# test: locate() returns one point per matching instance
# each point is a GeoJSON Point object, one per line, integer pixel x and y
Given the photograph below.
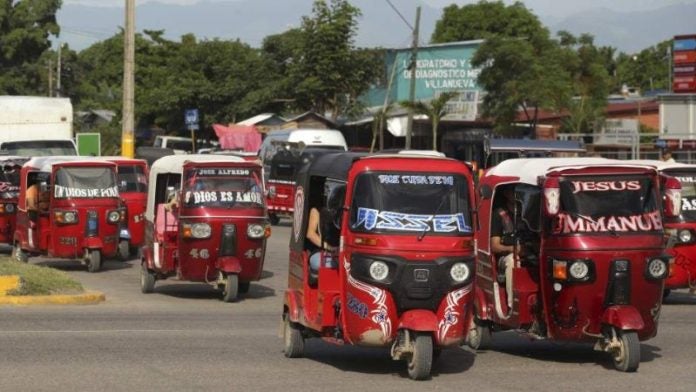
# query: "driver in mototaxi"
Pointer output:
{"type": "Point", "coordinates": [323, 228]}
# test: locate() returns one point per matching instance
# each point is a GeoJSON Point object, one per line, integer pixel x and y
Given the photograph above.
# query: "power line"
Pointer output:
{"type": "Point", "coordinates": [399, 13]}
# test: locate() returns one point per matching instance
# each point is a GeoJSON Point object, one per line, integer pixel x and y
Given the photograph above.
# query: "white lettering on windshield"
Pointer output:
{"type": "Point", "coordinates": [566, 223]}
{"type": "Point", "coordinates": [372, 219]}
{"type": "Point", "coordinates": [64, 192]}
{"type": "Point", "coordinates": [202, 197]}
{"type": "Point", "coordinates": [415, 179]}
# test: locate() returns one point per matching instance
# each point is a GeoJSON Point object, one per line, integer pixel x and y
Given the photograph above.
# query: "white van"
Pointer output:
{"type": "Point", "coordinates": [180, 145]}
{"type": "Point", "coordinates": [324, 138]}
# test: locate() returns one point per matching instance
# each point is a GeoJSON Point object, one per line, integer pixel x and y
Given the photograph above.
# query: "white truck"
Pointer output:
{"type": "Point", "coordinates": [36, 126]}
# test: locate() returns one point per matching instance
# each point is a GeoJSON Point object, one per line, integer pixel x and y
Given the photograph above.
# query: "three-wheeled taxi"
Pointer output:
{"type": "Point", "coordinates": [589, 252]}
{"type": "Point", "coordinates": [205, 222]}
{"type": "Point", "coordinates": [132, 187]}
{"type": "Point", "coordinates": [281, 172]}
{"type": "Point", "coordinates": [68, 207]}
{"type": "Point", "coordinates": [682, 228]}
{"type": "Point", "coordinates": [10, 167]}
{"type": "Point", "coordinates": [401, 275]}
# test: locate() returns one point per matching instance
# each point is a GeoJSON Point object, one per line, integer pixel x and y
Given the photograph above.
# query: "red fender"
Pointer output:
{"type": "Point", "coordinates": [229, 264]}
{"type": "Point", "coordinates": [291, 303]}
{"type": "Point", "coordinates": [623, 317]}
{"type": "Point", "coordinates": [418, 320]}
{"type": "Point", "coordinates": [92, 243]}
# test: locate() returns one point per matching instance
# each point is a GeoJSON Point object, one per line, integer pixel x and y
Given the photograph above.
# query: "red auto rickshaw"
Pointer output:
{"type": "Point", "coordinates": [10, 167]}
{"type": "Point", "coordinates": [205, 222]}
{"type": "Point", "coordinates": [402, 275]}
{"type": "Point", "coordinates": [78, 213]}
{"type": "Point", "coordinates": [682, 228]}
{"type": "Point", "coordinates": [589, 259]}
{"type": "Point", "coordinates": [132, 187]}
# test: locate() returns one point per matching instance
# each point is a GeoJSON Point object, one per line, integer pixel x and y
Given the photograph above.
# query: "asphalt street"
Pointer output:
{"type": "Point", "coordinates": [183, 338]}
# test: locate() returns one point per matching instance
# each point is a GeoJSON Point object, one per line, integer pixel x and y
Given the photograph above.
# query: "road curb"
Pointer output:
{"type": "Point", "coordinates": [88, 298]}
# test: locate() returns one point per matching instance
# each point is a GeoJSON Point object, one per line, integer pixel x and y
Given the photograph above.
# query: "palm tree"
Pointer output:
{"type": "Point", "coordinates": [378, 124]}
{"type": "Point", "coordinates": [434, 110]}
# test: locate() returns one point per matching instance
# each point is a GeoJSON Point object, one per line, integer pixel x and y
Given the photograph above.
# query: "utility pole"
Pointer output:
{"type": "Point", "coordinates": [412, 86]}
{"type": "Point", "coordinates": [50, 78]}
{"type": "Point", "coordinates": [128, 122]}
{"type": "Point", "coordinates": [58, 70]}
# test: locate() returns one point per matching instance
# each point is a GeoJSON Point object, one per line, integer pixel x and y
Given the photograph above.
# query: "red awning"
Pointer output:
{"type": "Point", "coordinates": [236, 137]}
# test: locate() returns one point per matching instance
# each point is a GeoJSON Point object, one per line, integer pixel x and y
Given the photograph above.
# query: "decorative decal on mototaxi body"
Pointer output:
{"type": "Point", "coordinates": [452, 311]}
{"type": "Point", "coordinates": [576, 223]}
{"type": "Point", "coordinates": [379, 296]}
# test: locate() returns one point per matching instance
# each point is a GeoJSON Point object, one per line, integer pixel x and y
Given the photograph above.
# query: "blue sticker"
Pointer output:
{"type": "Point", "coordinates": [357, 307]}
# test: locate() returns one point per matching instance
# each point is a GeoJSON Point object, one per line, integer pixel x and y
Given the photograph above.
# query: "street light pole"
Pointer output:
{"type": "Point", "coordinates": [412, 86]}
{"type": "Point", "coordinates": [128, 122]}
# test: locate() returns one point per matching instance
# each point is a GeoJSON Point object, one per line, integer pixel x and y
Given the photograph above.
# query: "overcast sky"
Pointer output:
{"type": "Point", "coordinates": [558, 8]}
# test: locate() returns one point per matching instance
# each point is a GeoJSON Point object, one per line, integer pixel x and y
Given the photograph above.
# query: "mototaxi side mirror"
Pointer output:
{"type": "Point", "coordinates": [43, 186]}
{"type": "Point", "coordinates": [552, 196]}
{"type": "Point", "coordinates": [671, 196]}
{"type": "Point", "coordinates": [171, 193]}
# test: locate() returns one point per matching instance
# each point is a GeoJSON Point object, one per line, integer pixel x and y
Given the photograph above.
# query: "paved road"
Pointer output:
{"type": "Point", "coordinates": [182, 338]}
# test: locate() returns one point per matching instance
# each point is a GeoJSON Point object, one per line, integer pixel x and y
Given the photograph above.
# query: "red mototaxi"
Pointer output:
{"type": "Point", "coordinates": [132, 187]}
{"type": "Point", "coordinates": [682, 228]}
{"type": "Point", "coordinates": [394, 285]}
{"type": "Point", "coordinates": [601, 259]}
{"type": "Point", "coordinates": [83, 215]}
{"type": "Point", "coordinates": [10, 167]}
{"type": "Point", "coordinates": [218, 232]}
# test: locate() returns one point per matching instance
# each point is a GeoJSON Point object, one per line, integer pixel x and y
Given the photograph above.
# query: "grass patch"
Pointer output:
{"type": "Point", "coordinates": [37, 280]}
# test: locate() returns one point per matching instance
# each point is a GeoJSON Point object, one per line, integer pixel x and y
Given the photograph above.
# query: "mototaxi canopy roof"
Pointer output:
{"type": "Point", "coordinates": [45, 164]}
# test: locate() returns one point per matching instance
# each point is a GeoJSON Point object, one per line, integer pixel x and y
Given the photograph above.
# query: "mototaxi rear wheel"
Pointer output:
{"type": "Point", "coordinates": [479, 336]}
{"type": "Point", "coordinates": [147, 280]}
{"type": "Point", "coordinates": [420, 361]}
{"type": "Point", "coordinates": [293, 341]}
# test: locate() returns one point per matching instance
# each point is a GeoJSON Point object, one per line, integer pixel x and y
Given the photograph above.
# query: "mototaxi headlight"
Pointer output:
{"type": "Point", "coordinates": [69, 217]}
{"type": "Point", "coordinates": [657, 268]}
{"type": "Point", "coordinates": [460, 272]}
{"type": "Point", "coordinates": [379, 270]}
{"type": "Point", "coordinates": [200, 230]}
{"type": "Point", "coordinates": [578, 270]}
{"type": "Point", "coordinates": [256, 231]}
{"type": "Point", "coordinates": [685, 235]}
{"type": "Point", "coordinates": [113, 216]}
{"type": "Point", "coordinates": [9, 208]}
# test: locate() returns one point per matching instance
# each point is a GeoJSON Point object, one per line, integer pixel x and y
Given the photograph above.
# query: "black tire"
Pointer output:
{"type": "Point", "coordinates": [627, 358]}
{"type": "Point", "coordinates": [147, 280]}
{"type": "Point", "coordinates": [666, 293]}
{"type": "Point", "coordinates": [123, 250]}
{"type": "Point", "coordinates": [421, 361]}
{"type": "Point", "coordinates": [244, 287]}
{"type": "Point", "coordinates": [293, 341]}
{"type": "Point", "coordinates": [231, 289]}
{"type": "Point", "coordinates": [18, 254]}
{"type": "Point", "coordinates": [94, 261]}
{"type": "Point", "coordinates": [273, 218]}
{"type": "Point", "coordinates": [480, 336]}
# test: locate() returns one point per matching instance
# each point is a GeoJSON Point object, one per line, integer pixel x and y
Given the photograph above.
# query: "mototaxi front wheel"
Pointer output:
{"type": "Point", "coordinates": [123, 250]}
{"type": "Point", "coordinates": [94, 261]}
{"type": "Point", "coordinates": [231, 289]}
{"type": "Point", "coordinates": [420, 361]}
{"type": "Point", "coordinates": [627, 355]}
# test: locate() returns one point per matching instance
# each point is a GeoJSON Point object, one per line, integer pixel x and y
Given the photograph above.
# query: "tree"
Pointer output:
{"type": "Point", "coordinates": [328, 71]}
{"type": "Point", "coordinates": [649, 69]}
{"type": "Point", "coordinates": [379, 123]}
{"type": "Point", "coordinates": [521, 65]}
{"type": "Point", "coordinates": [434, 110]}
{"type": "Point", "coordinates": [25, 27]}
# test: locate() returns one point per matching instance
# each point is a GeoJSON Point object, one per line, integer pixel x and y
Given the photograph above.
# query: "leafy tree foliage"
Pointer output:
{"type": "Point", "coordinates": [649, 69]}
{"type": "Point", "coordinates": [434, 110]}
{"type": "Point", "coordinates": [25, 27]}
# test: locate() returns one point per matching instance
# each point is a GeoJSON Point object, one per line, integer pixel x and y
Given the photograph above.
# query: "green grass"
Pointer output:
{"type": "Point", "coordinates": [37, 280]}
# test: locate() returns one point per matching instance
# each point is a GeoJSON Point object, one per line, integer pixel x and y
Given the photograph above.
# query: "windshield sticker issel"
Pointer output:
{"type": "Point", "coordinates": [63, 191]}
{"type": "Point", "coordinates": [566, 223]}
{"type": "Point", "coordinates": [372, 219]}
{"type": "Point", "coordinates": [415, 179]}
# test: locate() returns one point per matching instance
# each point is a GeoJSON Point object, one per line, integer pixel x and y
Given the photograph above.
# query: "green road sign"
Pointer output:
{"type": "Point", "coordinates": [88, 144]}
